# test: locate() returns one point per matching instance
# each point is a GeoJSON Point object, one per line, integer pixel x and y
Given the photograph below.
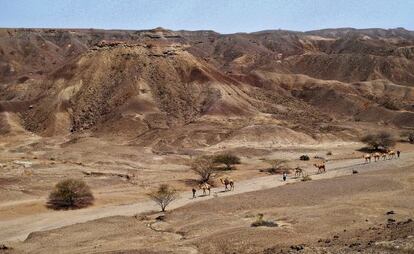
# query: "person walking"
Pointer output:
{"type": "Point", "coordinates": [194, 192]}
{"type": "Point", "coordinates": [284, 176]}
{"type": "Point", "coordinates": [398, 154]}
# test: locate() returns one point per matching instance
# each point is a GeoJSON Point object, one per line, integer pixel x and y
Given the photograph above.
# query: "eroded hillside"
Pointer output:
{"type": "Point", "coordinates": [180, 89]}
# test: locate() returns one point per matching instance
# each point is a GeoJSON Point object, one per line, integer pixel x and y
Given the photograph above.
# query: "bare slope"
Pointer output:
{"type": "Point", "coordinates": [159, 84]}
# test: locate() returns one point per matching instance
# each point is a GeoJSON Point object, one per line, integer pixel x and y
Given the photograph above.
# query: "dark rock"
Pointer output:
{"type": "Point", "coordinates": [297, 247]}
{"type": "Point", "coordinates": [160, 218]}
{"type": "Point", "coordinates": [391, 220]}
{"type": "Point", "coordinates": [352, 245]}
{"type": "Point", "coordinates": [4, 247]}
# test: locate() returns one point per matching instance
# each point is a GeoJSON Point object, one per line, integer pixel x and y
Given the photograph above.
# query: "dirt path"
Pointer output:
{"type": "Point", "coordinates": [19, 229]}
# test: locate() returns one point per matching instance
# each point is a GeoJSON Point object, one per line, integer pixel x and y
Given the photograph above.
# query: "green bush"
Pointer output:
{"type": "Point", "coordinates": [411, 137]}
{"type": "Point", "coordinates": [228, 159]}
{"type": "Point", "coordinates": [70, 194]}
{"type": "Point", "coordinates": [382, 140]}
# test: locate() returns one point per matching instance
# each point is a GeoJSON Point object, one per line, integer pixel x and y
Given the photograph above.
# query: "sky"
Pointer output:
{"type": "Point", "coordinates": [219, 15]}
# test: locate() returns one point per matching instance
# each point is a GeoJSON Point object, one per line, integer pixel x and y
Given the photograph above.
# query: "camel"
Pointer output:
{"type": "Point", "coordinates": [377, 157]}
{"type": "Point", "coordinates": [391, 154]}
{"type": "Point", "coordinates": [226, 181]}
{"type": "Point", "coordinates": [298, 171]}
{"type": "Point", "coordinates": [321, 167]}
{"type": "Point", "coordinates": [205, 187]}
{"type": "Point", "coordinates": [367, 157]}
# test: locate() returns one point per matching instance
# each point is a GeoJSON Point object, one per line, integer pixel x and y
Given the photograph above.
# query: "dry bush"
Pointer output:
{"type": "Point", "coordinates": [70, 194]}
{"type": "Point", "coordinates": [381, 140]}
{"type": "Point", "coordinates": [260, 222]}
{"type": "Point", "coordinates": [163, 196]}
{"type": "Point", "coordinates": [204, 167]}
{"type": "Point", "coordinates": [408, 136]}
{"type": "Point", "coordinates": [306, 178]}
{"type": "Point", "coordinates": [276, 167]}
{"type": "Point", "coordinates": [304, 157]}
{"type": "Point", "coordinates": [411, 137]}
{"type": "Point", "coordinates": [227, 159]}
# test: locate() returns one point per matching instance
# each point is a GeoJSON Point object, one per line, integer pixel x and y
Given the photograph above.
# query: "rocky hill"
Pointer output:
{"type": "Point", "coordinates": [195, 88]}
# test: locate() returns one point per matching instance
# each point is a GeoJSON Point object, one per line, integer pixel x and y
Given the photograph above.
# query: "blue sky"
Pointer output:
{"type": "Point", "coordinates": [219, 15]}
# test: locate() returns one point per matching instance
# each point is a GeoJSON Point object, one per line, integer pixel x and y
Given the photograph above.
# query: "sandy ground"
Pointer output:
{"type": "Point", "coordinates": [336, 212]}
{"type": "Point", "coordinates": [30, 167]}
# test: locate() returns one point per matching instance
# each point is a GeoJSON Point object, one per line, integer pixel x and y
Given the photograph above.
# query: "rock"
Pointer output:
{"type": "Point", "coordinates": [352, 245]}
{"type": "Point", "coordinates": [297, 247]}
{"type": "Point", "coordinates": [407, 221]}
{"type": "Point", "coordinates": [4, 247]}
{"type": "Point", "coordinates": [25, 164]}
{"type": "Point", "coordinates": [160, 218]}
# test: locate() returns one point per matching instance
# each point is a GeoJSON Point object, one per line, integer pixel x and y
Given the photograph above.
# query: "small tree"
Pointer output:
{"type": "Point", "coordinates": [163, 196]}
{"type": "Point", "coordinates": [204, 167]}
{"type": "Point", "coordinates": [408, 136]}
{"type": "Point", "coordinates": [228, 159]}
{"type": "Point", "coordinates": [411, 137]}
{"type": "Point", "coordinates": [379, 140]}
{"type": "Point", "coordinates": [277, 166]}
{"type": "Point", "coordinates": [70, 194]}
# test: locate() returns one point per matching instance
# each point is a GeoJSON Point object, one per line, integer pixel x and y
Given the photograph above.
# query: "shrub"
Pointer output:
{"type": "Point", "coordinates": [304, 157]}
{"type": "Point", "coordinates": [329, 153]}
{"type": "Point", "coordinates": [306, 178]}
{"type": "Point", "coordinates": [228, 159]}
{"type": "Point", "coordinates": [163, 196]}
{"type": "Point", "coordinates": [260, 222]}
{"type": "Point", "coordinates": [408, 136]}
{"type": "Point", "coordinates": [70, 194]}
{"type": "Point", "coordinates": [380, 140]}
{"type": "Point", "coordinates": [277, 167]}
{"type": "Point", "coordinates": [411, 137]}
{"type": "Point", "coordinates": [204, 167]}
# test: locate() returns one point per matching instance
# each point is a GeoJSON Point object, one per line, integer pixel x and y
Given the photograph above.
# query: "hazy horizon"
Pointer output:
{"type": "Point", "coordinates": [220, 16]}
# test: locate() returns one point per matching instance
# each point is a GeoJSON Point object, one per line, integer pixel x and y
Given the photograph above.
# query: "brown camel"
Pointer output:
{"type": "Point", "coordinates": [226, 181]}
{"type": "Point", "coordinates": [367, 157]}
{"type": "Point", "coordinates": [321, 167]}
{"type": "Point", "coordinates": [377, 157]}
{"type": "Point", "coordinates": [391, 154]}
{"type": "Point", "coordinates": [298, 171]}
{"type": "Point", "coordinates": [205, 187]}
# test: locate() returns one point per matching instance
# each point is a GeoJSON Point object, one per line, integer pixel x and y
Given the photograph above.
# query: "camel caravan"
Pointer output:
{"type": "Point", "coordinates": [391, 154]}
